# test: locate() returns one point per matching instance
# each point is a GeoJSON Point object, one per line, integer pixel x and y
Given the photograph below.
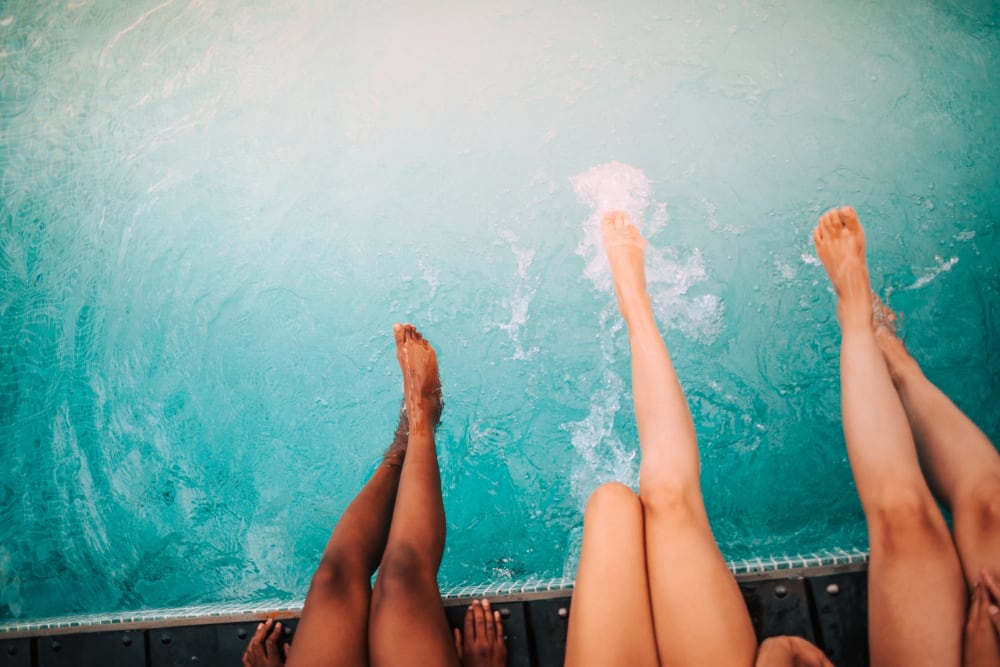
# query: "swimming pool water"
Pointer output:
{"type": "Point", "coordinates": [212, 211]}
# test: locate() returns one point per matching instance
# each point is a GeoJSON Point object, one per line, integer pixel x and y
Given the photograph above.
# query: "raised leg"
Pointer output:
{"type": "Point", "coordinates": [916, 594]}
{"type": "Point", "coordinates": [408, 625]}
{"type": "Point", "coordinates": [334, 625]}
{"type": "Point", "coordinates": [960, 463]}
{"type": "Point", "coordinates": [612, 621]}
{"type": "Point", "coordinates": [699, 615]}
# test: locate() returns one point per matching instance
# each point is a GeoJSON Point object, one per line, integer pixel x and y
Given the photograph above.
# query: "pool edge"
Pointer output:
{"type": "Point", "coordinates": [800, 565]}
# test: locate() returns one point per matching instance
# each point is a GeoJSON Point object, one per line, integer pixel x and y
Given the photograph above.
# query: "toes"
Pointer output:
{"type": "Point", "coordinates": [480, 619]}
{"type": "Point", "coordinates": [470, 620]}
{"type": "Point", "coordinates": [489, 621]}
{"type": "Point", "coordinates": [498, 624]}
{"type": "Point", "coordinates": [614, 219]}
{"type": "Point", "coordinates": [607, 225]}
{"type": "Point", "coordinates": [615, 223]}
{"type": "Point", "coordinates": [271, 645]}
{"type": "Point", "coordinates": [849, 218]}
{"type": "Point", "coordinates": [818, 234]}
{"type": "Point", "coordinates": [399, 333]}
{"type": "Point", "coordinates": [618, 230]}
{"type": "Point", "coordinates": [828, 223]}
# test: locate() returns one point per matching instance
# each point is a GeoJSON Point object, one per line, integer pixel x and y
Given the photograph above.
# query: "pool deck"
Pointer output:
{"type": "Point", "coordinates": [827, 605]}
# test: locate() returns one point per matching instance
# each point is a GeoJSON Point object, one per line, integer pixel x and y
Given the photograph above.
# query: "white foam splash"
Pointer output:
{"type": "Point", "coordinates": [518, 302]}
{"type": "Point", "coordinates": [601, 455]}
{"type": "Point", "coordinates": [668, 277]}
{"type": "Point", "coordinates": [430, 276]}
{"type": "Point", "coordinates": [785, 270]}
{"type": "Point", "coordinates": [934, 272]}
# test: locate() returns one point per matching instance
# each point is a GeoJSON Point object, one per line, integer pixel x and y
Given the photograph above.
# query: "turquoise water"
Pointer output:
{"type": "Point", "coordinates": [212, 211]}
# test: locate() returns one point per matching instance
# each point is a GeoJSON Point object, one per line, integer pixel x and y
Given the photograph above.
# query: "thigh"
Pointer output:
{"type": "Point", "coordinates": [916, 591]}
{"type": "Point", "coordinates": [976, 526]}
{"type": "Point", "coordinates": [611, 622]}
{"type": "Point", "coordinates": [700, 615]}
{"type": "Point", "coordinates": [333, 631]}
{"type": "Point", "coordinates": [408, 625]}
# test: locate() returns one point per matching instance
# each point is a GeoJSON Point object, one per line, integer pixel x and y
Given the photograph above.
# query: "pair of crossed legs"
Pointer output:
{"type": "Point", "coordinates": [906, 439]}
{"type": "Point", "coordinates": [395, 525]}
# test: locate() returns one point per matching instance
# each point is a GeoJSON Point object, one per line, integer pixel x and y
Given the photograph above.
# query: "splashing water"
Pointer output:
{"type": "Point", "coordinates": [669, 273]}
{"type": "Point", "coordinates": [602, 456]}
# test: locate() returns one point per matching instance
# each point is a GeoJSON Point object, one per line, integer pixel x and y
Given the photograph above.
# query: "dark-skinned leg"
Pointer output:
{"type": "Point", "coordinates": [408, 625]}
{"type": "Point", "coordinates": [334, 625]}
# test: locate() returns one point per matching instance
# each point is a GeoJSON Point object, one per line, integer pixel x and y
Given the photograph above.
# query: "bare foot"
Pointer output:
{"type": "Point", "coordinates": [840, 244]}
{"type": "Point", "coordinates": [626, 252]}
{"type": "Point", "coordinates": [421, 385]}
{"type": "Point", "coordinates": [897, 357]}
{"type": "Point", "coordinates": [481, 644]}
{"type": "Point", "coordinates": [263, 651]}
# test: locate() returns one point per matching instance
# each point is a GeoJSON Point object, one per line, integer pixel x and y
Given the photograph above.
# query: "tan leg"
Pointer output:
{"type": "Point", "coordinates": [959, 461]}
{"type": "Point", "coordinates": [611, 622]}
{"type": "Point", "coordinates": [334, 625]}
{"type": "Point", "coordinates": [408, 625]}
{"type": "Point", "coordinates": [699, 615]}
{"type": "Point", "coordinates": [916, 594]}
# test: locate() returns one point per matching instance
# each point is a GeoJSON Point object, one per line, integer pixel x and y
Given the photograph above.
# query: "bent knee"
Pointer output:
{"type": "Point", "coordinates": [676, 501]}
{"type": "Point", "coordinates": [611, 499]}
{"type": "Point", "coordinates": [341, 575]}
{"type": "Point", "coordinates": [404, 570]}
{"type": "Point", "coordinates": [979, 505]}
{"type": "Point", "coordinates": [904, 519]}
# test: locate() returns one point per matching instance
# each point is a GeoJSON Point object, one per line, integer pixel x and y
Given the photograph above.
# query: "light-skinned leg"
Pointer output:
{"type": "Point", "coordinates": [916, 593]}
{"type": "Point", "coordinates": [611, 620]}
{"type": "Point", "coordinates": [958, 460]}
{"type": "Point", "coordinates": [698, 612]}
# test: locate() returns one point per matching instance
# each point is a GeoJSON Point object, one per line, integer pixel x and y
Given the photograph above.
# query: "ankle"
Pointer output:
{"type": "Point", "coordinates": [854, 316]}
{"type": "Point", "coordinates": [903, 371]}
{"type": "Point", "coordinates": [637, 311]}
